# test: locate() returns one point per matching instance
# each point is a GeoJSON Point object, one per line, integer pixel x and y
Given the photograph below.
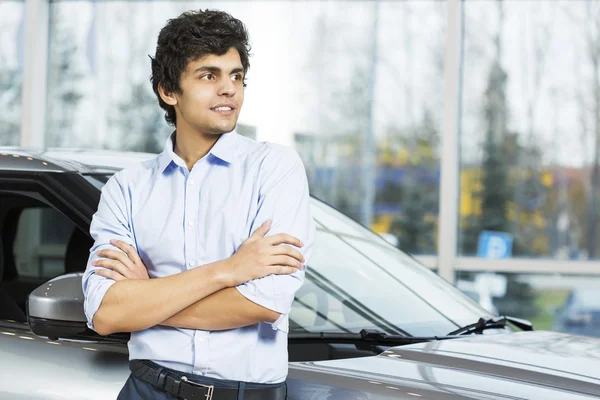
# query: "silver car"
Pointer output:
{"type": "Point", "coordinates": [369, 323]}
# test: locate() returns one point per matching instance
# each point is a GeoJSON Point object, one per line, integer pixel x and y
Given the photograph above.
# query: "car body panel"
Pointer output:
{"type": "Point", "coordinates": [479, 366]}
{"type": "Point", "coordinates": [474, 367]}
{"type": "Point", "coordinates": [36, 368]}
{"type": "Point", "coordinates": [64, 160]}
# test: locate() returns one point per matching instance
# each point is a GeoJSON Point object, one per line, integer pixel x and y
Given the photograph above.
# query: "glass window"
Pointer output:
{"type": "Point", "coordinates": [353, 284]}
{"type": "Point", "coordinates": [558, 302]}
{"type": "Point", "coordinates": [11, 70]}
{"type": "Point", "coordinates": [41, 242]}
{"type": "Point", "coordinates": [359, 95]}
{"type": "Point", "coordinates": [530, 158]}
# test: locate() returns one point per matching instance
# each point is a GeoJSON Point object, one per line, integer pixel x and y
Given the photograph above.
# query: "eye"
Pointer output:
{"type": "Point", "coordinates": [208, 77]}
{"type": "Point", "coordinates": [236, 77]}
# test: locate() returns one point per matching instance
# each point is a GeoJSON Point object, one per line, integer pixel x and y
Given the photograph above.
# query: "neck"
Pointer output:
{"type": "Point", "coordinates": [191, 145]}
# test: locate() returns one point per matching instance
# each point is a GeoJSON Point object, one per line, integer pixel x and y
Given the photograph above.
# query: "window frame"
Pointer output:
{"type": "Point", "coordinates": [65, 192]}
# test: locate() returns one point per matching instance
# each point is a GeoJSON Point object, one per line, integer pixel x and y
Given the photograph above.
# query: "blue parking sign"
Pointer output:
{"type": "Point", "coordinates": [495, 245]}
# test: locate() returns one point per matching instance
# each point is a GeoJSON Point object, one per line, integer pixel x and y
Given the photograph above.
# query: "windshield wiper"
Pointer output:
{"type": "Point", "coordinates": [492, 323]}
{"type": "Point", "coordinates": [367, 339]}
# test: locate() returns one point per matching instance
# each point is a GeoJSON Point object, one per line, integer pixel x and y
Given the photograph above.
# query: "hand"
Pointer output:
{"type": "Point", "coordinates": [125, 264]}
{"type": "Point", "coordinates": [260, 256]}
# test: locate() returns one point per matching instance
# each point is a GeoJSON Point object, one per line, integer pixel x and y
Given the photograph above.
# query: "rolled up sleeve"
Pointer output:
{"type": "Point", "coordinates": [283, 198]}
{"type": "Point", "coordinates": [109, 222]}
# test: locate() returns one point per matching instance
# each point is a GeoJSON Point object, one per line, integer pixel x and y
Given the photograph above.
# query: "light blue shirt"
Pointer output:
{"type": "Point", "coordinates": [179, 219]}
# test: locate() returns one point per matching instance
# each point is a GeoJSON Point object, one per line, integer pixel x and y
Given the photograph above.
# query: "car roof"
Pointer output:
{"type": "Point", "coordinates": [69, 160]}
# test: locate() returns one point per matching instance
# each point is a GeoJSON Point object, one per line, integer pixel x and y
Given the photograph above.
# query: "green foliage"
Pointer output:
{"type": "Point", "coordinates": [500, 153]}
{"type": "Point", "coordinates": [141, 120]}
{"type": "Point", "coordinates": [417, 198]}
{"type": "Point", "coordinates": [64, 78]}
{"type": "Point", "coordinates": [10, 103]}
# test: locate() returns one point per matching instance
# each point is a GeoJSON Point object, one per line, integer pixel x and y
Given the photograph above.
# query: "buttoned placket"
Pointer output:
{"type": "Point", "coordinates": [194, 251]}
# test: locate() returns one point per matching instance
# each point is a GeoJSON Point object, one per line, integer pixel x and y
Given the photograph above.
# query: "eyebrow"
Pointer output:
{"type": "Point", "coordinates": [217, 70]}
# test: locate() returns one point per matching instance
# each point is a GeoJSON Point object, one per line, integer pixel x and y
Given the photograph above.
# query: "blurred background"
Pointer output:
{"type": "Point", "coordinates": [467, 133]}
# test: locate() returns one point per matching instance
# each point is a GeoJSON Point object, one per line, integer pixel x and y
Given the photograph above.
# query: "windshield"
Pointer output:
{"type": "Point", "coordinates": [356, 280]}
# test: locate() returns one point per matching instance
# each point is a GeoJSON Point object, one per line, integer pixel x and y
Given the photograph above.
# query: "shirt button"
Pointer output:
{"type": "Point", "coordinates": [191, 263]}
{"type": "Point", "coordinates": [191, 223]}
{"type": "Point", "coordinates": [191, 182]}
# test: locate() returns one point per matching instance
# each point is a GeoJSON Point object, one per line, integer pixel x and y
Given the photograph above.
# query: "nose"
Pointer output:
{"type": "Point", "coordinates": [227, 87]}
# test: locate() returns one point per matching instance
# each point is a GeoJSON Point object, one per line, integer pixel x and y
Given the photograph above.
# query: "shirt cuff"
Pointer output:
{"type": "Point", "coordinates": [281, 323]}
{"type": "Point", "coordinates": [94, 299]}
{"type": "Point", "coordinates": [249, 291]}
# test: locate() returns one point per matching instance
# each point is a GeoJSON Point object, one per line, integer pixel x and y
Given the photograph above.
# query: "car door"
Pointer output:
{"type": "Point", "coordinates": [44, 234]}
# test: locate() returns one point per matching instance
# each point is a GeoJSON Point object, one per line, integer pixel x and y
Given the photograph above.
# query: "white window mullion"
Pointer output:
{"type": "Point", "coordinates": [449, 174]}
{"type": "Point", "coordinates": [33, 103]}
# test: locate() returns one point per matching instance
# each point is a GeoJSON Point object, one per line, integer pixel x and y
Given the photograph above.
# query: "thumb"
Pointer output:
{"type": "Point", "coordinates": [261, 231]}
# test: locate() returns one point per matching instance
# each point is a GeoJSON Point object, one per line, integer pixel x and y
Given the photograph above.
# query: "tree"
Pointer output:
{"type": "Point", "coordinates": [589, 23]}
{"type": "Point", "coordinates": [10, 104]}
{"type": "Point", "coordinates": [501, 151]}
{"type": "Point", "coordinates": [333, 153]}
{"type": "Point", "coordinates": [418, 196]}
{"type": "Point", "coordinates": [141, 120]}
{"type": "Point", "coordinates": [10, 74]}
{"type": "Point", "coordinates": [495, 195]}
{"type": "Point", "coordinates": [64, 77]}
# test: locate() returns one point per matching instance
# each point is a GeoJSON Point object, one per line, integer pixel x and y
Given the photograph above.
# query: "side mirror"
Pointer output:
{"type": "Point", "coordinates": [55, 310]}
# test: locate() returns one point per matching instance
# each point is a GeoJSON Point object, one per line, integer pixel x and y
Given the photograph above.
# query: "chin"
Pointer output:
{"type": "Point", "coordinates": [223, 128]}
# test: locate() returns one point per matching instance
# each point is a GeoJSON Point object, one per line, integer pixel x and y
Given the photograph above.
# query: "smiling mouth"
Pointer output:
{"type": "Point", "coordinates": [222, 109]}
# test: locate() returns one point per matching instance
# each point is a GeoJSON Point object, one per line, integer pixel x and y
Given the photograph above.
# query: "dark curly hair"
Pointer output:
{"type": "Point", "coordinates": [193, 35]}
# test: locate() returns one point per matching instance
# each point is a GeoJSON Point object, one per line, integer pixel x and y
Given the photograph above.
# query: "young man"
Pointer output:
{"type": "Point", "coordinates": [199, 252]}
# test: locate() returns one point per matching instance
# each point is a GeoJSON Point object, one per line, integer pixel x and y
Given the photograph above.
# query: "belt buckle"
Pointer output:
{"type": "Point", "coordinates": [210, 388]}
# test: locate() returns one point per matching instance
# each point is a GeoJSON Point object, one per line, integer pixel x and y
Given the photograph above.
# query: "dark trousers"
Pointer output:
{"type": "Point", "coordinates": [136, 389]}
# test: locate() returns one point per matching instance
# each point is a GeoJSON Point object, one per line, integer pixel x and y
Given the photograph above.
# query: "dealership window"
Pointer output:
{"type": "Point", "coordinates": [11, 70]}
{"type": "Point", "coordinates": [530, 133]}
{"type": "Point", "coordinates": [358, 94]}
{"type": "Point", "coordinates": [558, 302]}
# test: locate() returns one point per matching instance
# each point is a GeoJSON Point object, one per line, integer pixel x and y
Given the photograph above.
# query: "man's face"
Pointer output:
{"type": "Point", "coordinates": [212, 94]}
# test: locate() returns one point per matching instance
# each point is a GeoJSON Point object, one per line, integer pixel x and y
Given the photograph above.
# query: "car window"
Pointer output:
{"type": "Point", "coordinates": [347, 291]}
{"type": "Point", "coordinates": [41, 242]}
{"type": "Point", "coordinates": [472, 295]}
{"type": "Point", "coordinates": [433, 289]}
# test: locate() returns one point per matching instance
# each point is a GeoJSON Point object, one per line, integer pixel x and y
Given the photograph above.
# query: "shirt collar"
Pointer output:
{"type": "Point", "coordinates": [224, 149]}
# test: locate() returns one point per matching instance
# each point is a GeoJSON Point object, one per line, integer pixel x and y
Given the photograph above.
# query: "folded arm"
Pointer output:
{"type": "Point", "coordinates": [284, 198]}
{"type": "Point", "coordinates": [225, 309]}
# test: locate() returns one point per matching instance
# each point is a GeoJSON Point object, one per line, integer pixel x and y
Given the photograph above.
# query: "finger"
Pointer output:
{"type": "Point", "coordinates": [285, 261]}
{"type": "Point", "coordinates": [261, 231]}
{"type": "Point", "coordinates": [113, 265]}
{"type": "Point", "coordinates": [116, 255]}
{"type": "Point", "coordinates": [283, 270]}
{"type": "Point", "coordinates": [282, 238]}
{"type": "Point", "coordinates": [128, 249]}
{"type": "Point", "coordinates": [288, 251]}
{"type": "Point", "coordinates": [107, 273]}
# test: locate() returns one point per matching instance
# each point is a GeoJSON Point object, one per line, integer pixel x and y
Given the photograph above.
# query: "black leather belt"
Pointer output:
{"type": "Point", "coordinates": [180, 385]}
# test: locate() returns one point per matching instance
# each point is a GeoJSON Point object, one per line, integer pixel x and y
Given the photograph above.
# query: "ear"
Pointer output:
{"type": "Point", "coordinates": [167, 97]}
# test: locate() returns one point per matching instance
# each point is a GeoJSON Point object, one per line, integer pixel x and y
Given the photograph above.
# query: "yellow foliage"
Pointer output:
{"type": "Point", "coordinates": [382, 223]}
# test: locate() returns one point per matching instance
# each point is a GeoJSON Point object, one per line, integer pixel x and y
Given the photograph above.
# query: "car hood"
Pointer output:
{"type": "Point", "coordinates": [511, 365]}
